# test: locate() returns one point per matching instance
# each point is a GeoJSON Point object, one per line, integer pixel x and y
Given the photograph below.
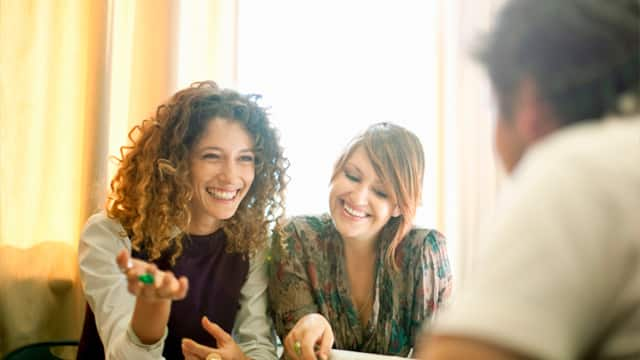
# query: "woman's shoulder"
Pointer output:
{"type": "Point", "coordinates": [307, 233]}
{"type": "Point", "coordinates": [100, 218]}
{"type": "Point", "coordinates": [427, 247]}
{"type": "Point", "coordinates": [316, 224]}
{"type": "Point", "coordinates": [422, 239]}
{"type": "Point", "coordinates": [100, 227]}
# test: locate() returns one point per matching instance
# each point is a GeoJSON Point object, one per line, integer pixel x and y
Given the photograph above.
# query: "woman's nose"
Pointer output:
{"type": "Point", "coordinates": [228, 172]}
{"type": "Point", "coordinates": [360, 194]}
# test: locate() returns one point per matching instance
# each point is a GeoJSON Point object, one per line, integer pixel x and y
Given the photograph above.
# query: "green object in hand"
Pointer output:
{"type": "Point", "coordinates": [146, 278]}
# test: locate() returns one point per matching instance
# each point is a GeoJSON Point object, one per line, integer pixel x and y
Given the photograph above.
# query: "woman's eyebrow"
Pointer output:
{"type": "Point", "coordinates": [353, 167]}
{"type": "Point", "coordinates": [216, 148]}
{"type": "Point", "coordinates": [211, 148]}
{"type": "Point", "coordinates": [376, 179]}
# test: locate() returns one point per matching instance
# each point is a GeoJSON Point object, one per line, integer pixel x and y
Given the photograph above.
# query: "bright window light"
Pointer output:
{"type": "Point", "coordinates": [328, 69]}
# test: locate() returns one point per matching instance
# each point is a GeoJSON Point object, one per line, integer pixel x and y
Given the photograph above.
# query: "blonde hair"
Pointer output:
{"type": "Point", "coordinates": [397, 157]}
{"type": "Point", "coordinates": [151, 191]}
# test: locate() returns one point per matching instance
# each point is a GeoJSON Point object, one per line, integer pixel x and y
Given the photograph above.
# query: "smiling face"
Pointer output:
{"type": "Point", "coordinates": [222, 171]}
{"type": "Point", "coordinates": [360, 204]}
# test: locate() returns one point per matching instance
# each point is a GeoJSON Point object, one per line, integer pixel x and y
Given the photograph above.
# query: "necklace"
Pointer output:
{"type": "Point", "coordinates": [363, 309]}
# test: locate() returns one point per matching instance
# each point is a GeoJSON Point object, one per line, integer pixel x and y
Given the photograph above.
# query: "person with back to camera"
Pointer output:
{"type": "Point", "coordinates": [361, 278]}
{"type": "Point", "coordinates": [175, 266]}
{"type": "Point", "coordinates": [559, 277]}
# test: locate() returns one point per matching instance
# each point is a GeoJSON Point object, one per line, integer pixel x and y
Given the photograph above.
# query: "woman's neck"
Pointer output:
{"type": "Point", "coordinates": [203, 225]}
{"type": "Point", "coordinates": [360, 259]}
{"type": "Point", "coordinates": [360, 248]}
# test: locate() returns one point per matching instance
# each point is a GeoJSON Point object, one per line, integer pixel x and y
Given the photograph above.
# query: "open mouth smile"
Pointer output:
{"type": "Point", "coordinates": [225, 195]}
{"type": "Point", "coordinates": [353, 212]}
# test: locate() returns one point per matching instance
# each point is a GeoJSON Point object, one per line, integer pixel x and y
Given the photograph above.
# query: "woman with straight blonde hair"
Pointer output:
{"type": "Point", "coordinates": [361, 278]}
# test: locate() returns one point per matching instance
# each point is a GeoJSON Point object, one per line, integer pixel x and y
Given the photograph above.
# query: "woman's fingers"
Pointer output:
{"type": "Point", "coordinates": [194, 349]}
{"type": "Point", "coordinates": [166, 284]}
{"type": "Point", "coordinates": [122, 259]}
{"type": "Point", "coordinates": [299, 344]}
{"type": "Point", "coordinates": [326, 342]}
{"type": "Point", "coordinates": [175, 289]}
{"type": "Point", "coordinates": [307, 344]}
{"type": "Point", "coordinates": [310, 338]}
{"type": "Point", "coordinates": [132, 269]}
{"type": "Point", "coordinates": [134, 287]}
{"type": "Point", "coordinates": [216, 331]}
{"type": "Point", "coordinates": [182, 289]}
{"type": "Point", "coordinates": [147, 281]}
{"type": "Point", "coordinates": [288, 345]}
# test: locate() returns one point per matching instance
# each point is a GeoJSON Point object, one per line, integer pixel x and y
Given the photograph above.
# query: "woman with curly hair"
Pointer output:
{"type": "Point", "coordinates": [361, 278]}
{"type": "Point", "coordinates": [186, 221]}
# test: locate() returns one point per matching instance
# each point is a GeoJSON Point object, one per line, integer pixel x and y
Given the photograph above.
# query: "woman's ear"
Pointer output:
{"type": "Point", "coordinates": [396, 212]}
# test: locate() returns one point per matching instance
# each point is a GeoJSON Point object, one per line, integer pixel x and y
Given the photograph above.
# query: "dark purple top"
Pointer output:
{"type": "Point", "coordinates": [215, 280]}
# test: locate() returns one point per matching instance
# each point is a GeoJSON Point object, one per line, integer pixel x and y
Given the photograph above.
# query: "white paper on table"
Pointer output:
{"type": "Point", "coordinates": [354, 355]}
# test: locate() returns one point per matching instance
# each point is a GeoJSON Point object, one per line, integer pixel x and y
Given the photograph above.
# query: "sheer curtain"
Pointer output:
{"type": "Point", "coordinates": [471, 174]}
{"type": "Point", "coordinates": [74, 77]}
{"type": "Point", "coordinates": [47, 106]}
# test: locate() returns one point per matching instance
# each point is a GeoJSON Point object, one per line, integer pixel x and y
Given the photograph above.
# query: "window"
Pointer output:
{"type": "Point", "coordinates": [328, 69]}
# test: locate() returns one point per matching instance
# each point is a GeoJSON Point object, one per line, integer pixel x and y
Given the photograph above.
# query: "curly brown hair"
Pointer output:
{"type": "Point", "coordinates": [151, 191]}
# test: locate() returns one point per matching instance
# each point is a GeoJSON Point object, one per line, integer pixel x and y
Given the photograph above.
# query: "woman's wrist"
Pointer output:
{"type": "Point", "coordinates": [149, 319]}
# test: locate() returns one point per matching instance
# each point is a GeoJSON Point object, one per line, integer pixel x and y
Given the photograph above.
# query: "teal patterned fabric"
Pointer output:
{"type": "Point", "coordinates": [308, 275]}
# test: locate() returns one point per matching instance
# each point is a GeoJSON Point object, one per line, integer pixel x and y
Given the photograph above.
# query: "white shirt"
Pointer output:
{"type": "Point", "coordinates": [559, 277]}
{"type": "Point", "coordinates": [105, 289]}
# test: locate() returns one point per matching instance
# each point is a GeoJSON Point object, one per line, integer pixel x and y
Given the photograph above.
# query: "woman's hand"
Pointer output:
{"type": "Point", "coordinates": [165, 286]}
{"type": "Point", "coordinates": [154, 293]}
{"type": "Point", "coordinates": [227, 348]}
{"type": "Point", "coordinates": [310, 331]}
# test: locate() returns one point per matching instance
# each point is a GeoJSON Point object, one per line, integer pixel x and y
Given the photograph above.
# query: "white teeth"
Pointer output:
{"type": "Point", "coordinates": [353, 212]}
{"type": "Point", "coordinates": [222, 195]}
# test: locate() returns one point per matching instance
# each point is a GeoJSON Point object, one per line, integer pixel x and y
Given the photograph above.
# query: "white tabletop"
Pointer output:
{"type": "Point", "coordinates": [353, 355]}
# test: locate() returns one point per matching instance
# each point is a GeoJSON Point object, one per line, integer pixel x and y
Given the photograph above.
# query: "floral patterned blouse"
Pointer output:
{"type": "Point", "coordinates": [308, 275]}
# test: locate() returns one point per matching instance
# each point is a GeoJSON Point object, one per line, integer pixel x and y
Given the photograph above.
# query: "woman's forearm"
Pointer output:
{"type": "Point", "coordinates": [150, 319]}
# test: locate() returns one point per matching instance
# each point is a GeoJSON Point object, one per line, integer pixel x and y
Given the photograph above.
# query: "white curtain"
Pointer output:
{"type": "Point", "coordinates": [471, 175]}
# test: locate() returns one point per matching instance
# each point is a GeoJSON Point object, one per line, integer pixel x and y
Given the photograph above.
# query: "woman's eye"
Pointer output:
{"type": "Point", "coordinates": [210, 156]}
{"type": "Point", "coordinates": [351, 177]}
{"type": "Point", "coordinates": [380, 194]}
{"type": "Point", "coordinates": [248, 158]}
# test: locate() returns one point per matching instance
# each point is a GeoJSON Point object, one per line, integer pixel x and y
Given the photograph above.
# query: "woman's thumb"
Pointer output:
{"type": "Point", "coordinates": [216, 331]}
